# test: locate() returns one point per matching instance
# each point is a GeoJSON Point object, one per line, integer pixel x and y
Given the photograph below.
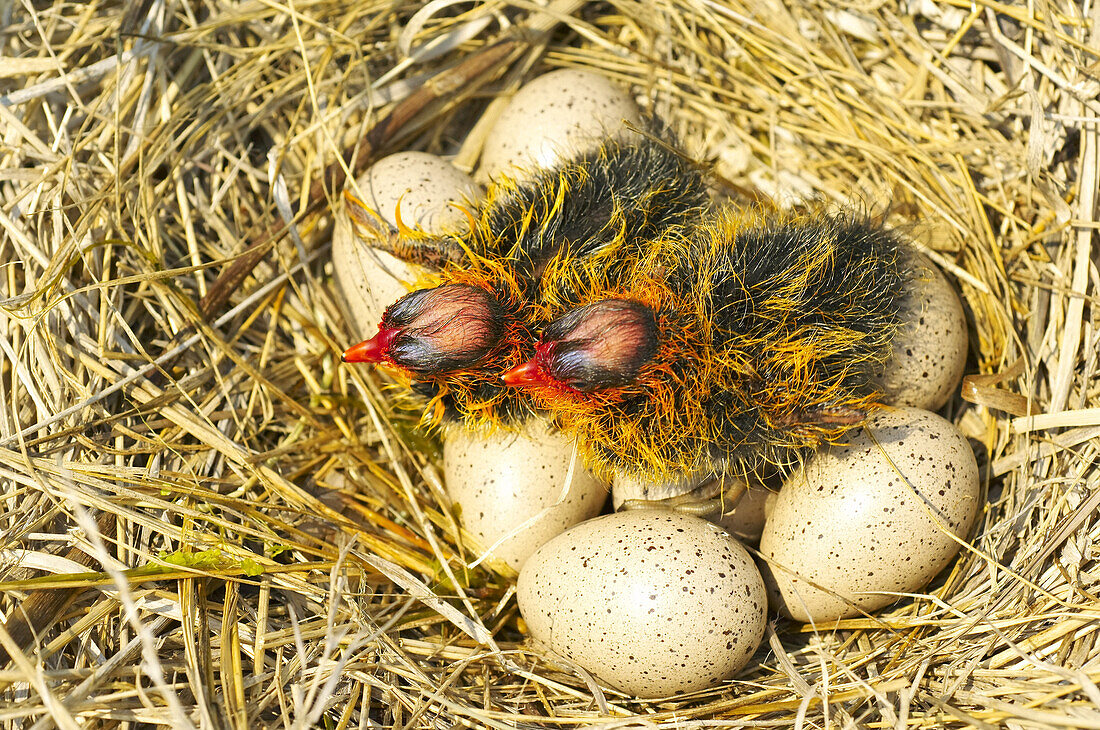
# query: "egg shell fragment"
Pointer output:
{"type": "Point", "coordinates": [929, 349]}
{"type": "Point", "coordinates": [868, 518]}
{"type": "Point", "coordinates": [651, 602]}
{"type": "Point", "coordinates": [558, 114]}
{"type": "Point", "coordinates": [518, 490]}
{"type": "Point", "coordinates": [428, 188]}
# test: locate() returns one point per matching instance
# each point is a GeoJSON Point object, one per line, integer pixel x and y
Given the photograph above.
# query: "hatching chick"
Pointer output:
{"type": "Point", "coordinates": [747, 342]}
{"type": "Point", "coordinates": [499, 282]}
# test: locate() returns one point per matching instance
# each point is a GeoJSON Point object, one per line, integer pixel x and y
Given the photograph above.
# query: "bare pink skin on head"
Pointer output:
{"type": "Point", "coordinates": [611, 335]}
{"type": "Point", "coordinates": [596, 346]}
{"type": "Point", "coordinates": [432, 331]}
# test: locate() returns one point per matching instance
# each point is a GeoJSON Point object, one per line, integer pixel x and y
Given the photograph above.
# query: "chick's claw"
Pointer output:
{"type": "Point", "coordinates": [705, 499]}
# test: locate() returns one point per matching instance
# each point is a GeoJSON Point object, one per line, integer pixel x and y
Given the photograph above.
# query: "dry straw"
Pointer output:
{"type": "Point", "coordinates": [218, 525]}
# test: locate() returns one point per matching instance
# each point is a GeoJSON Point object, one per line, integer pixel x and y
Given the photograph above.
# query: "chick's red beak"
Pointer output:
{"type": "Point", "coordinates": [525, 375]}
{"type": "Point", "coordinates": [372, 350]}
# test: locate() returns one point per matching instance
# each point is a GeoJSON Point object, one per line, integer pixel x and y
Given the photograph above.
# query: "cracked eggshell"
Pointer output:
{"type": "Point", "coordinates": [557, 114]}
{"type": "Point", "coordinates": [427, 186]}
{"type": "Point", "coordinates": [652, 602]}
{"type": "Point", "coordinates": [929, 349]}
{"type": "Point", "coordinates": [870, 519]}
{"type": "Point", "coordinates": [518, 490]}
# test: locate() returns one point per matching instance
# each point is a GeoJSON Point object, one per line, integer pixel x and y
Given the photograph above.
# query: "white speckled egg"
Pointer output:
{"type": "Point", "coordinates": [652, 602]}
{"type": "Point", "coordinates": [370, 280]}
{"type": "Point", "coordinates": [929, 351]}
{"type": "Point", "coordinates": [871, 518]}
{"type": "Point", "coordinates": [562, 112]}
{"type": "Point", "coordinates": [518, 490]}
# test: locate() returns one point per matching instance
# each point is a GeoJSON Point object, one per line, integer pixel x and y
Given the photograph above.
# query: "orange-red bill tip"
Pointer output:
{"type": "Point", "coordinates": [522, 376]}
{"type": "Point", "coordinates": [370, 350]}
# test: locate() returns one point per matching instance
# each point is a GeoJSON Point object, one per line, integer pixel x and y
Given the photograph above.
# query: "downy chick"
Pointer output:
{"type": "Point", "coordinates": [750, 340]}
{"type": "Point", "coordinates": [516, 267]}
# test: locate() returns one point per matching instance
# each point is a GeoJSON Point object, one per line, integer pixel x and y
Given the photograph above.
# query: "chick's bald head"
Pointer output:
{"type": "Point", "coordinates": [595, 347]}
{"type": "Point", "coordinates": [435, 331]}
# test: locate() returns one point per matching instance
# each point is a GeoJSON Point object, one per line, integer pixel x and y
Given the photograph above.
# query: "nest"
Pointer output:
{"type": "Point", "coordinates": [210, 522]}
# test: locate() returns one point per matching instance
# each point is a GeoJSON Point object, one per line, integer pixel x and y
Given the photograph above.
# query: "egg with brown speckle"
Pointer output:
{"type": "Point", "coordinates": [558, 114]}
{"type": "Point", "coordinates": [929, 349]}
{"type": "Point", "coordinates": [865, 521]}
{"type": "Point", "coordinates": [428, 189]}
{"type": "Point", "coordinates": [518, 490]}
{"type": "Point", "coordinates": [652, 602]}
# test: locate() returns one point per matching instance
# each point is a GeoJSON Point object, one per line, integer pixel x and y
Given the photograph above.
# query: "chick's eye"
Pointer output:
{"type": "Point", "coordinates": [443, 329]}
{"type": "Point", "coordinates": [600, 345]}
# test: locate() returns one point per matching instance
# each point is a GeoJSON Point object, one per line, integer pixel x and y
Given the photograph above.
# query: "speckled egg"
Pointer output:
{"type": "Point", "coordinates": [427, 186]}
{"type": "Point", "coordinates": [929, 350]}
{"type": "Point", "coordinates": [517, 490]}
{"type": "Point", "coordinates": [871, 519]}
{"type": "Point", "coordinates": [652, 602]}
{"type": "Point", "coordinates": [562, 112]}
